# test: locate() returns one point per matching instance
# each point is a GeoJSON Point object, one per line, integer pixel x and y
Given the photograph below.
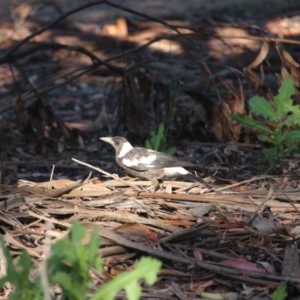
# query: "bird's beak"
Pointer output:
{"type": "Point", "coordinates": [107, 140]}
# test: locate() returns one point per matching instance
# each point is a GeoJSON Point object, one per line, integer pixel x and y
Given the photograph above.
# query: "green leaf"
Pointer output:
{"type": "Point", "coordinates": [287, 88]}
{"type": "Point", "coordinates": [283, 101]}
{"type": "Point", "coordinates": [295, 110]}
{"type": "Point", "coordinates": [283, 106]}
{"type": "Point", "coordinates": [18, 276]}
{"type": "Point", "coordinates": [157, 140]}
{"type": "Point", "coordinates": [265, 139]}
{"type": "Point", "coordinates": [146, 269]}
{"type": "Point", "coordinates": [279, 141]}
{"type": "Point", "coordinates": [246, 121]}
{"type": "Point", "coordinates": [280, 126]}
{"type": "Point", "coordinates": [148, 144]}
{"type": "Point", "coordinates": [289, 150]}
{"type": "Point", "coordinates": [262, 107]}
{"type": "Point", "coordinates": [65, 281]}
{"type": "Point", "coordinates": [280, 293]}
{"type": "Point", "coordinates": [220, 296]}
{"type": "Point", "coordinates": [292, 136]}
{"type": "Point", "coordinates": [271, 154]}
{"type": "Point", "coordinates": [71, 261]}
{"type": "Point", "coordinates": [249, 122]}
{"type": "Point", "coordinates": [159, 137]}
{"type": "Point", "coordinates": [170, 150]}
{"type": "Point", "coordinates": [290, 120]}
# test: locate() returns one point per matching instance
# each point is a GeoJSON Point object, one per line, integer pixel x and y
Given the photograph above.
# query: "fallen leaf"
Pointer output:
{"type": "Point", "coordinates": [137, 230]}
{"type": "Point", "coordinates": [242, 264]}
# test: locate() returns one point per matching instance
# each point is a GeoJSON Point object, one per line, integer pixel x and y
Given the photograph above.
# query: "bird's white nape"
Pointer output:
{"type": "Point", "coordinates": [126, 147]}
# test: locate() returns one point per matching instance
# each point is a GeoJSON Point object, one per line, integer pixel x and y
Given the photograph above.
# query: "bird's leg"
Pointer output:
{"type": "Point", "coordinates": [198, 180]}
{"type": "Point", "coordinates": [159, 184]}
{"type": "Point", "coordinates": [155, 185]}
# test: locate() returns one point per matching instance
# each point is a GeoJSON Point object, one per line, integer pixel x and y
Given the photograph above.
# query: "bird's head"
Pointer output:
{"type": "Point", "coordinates": [121, 145]}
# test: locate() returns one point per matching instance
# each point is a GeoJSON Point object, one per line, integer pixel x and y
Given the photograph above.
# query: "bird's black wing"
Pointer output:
{"type": "Point", "coordinates": [141, 159]}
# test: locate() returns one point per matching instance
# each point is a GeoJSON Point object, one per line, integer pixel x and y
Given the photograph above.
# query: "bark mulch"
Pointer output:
{"type": "Point", "coordinates": [237, 238]}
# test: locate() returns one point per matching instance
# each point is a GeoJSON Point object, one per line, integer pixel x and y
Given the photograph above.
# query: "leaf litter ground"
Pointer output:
{"type": "Point", "coordinates": [240, 237]}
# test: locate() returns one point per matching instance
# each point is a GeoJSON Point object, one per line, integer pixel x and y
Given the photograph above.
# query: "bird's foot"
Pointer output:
{"type": "Point", "coordinates": [155, 186]}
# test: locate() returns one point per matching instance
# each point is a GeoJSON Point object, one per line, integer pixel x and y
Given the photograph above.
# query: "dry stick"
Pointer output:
{"type": "Point", "coordinates": [289, 199]}
{"type": "Point", "coordinates": [183, 232]}
{"type": "Point", "coordinates": [106, 173]}
{"type": "Point", "coordinates": [261, 39]}
{"type": "Point", "coordinates": [4, 58]}
{"type": "Point", "coordinates": [43, 269]}
{"type": "Point", "coordinates": [271, 192]}
{"type": "Point", "coordinates": [82, 71]}
{"type": "Point", "coordinates": [95, 60]}
{"type": "Point", "coordinates": [70, 187]}
{"type": "Point", "coordinates": [112, 250]}
{"type": "Point", "coordinates": [48, 89]}
{"type": "Point", "coordinates": [88, 53]}
{"type": "Point", "coordinates": [58, 192]}
{"type": "Point", "coordinates": [48, 219]}
{"type": "Point", "coordinates": [269, 197]}
{"type": "Point", "coordinates": [93, 57]}
{"type": "Point", "coordinates": [56, 46]}
{"type": "Point", "coordinates": [175, 28]}
{"type": "Point", "coordinates": [238, 274]}
{"type": "Point", "coordinates": [224, 271]}
{"type": "Point", "coordinates": [52, 173]}
{"type": "Point", "coordinates": [245, 181]}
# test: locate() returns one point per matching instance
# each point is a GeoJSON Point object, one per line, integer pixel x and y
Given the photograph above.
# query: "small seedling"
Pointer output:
{"type": "Point", "coordinates": [280, 293]}
{"type": "Point", "coordinates": [158, 140]}
{"type": "Point", "coordinates": [276, 122]}
{"type": "Point", "coordinates": [68, 268]}
{"type": "Point", "coordinates": [147, 269]}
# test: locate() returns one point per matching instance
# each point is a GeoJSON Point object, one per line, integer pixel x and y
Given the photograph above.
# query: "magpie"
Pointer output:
{"type": "Point", "coordinates": [149, 164]}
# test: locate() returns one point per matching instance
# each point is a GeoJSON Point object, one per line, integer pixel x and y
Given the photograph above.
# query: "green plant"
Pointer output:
{"type": "Point", "coordinates": [146, 269]}
{"type": "Point", "coordinates": [158, 140]}
{"type": "Point", "coordinates": [280, 293]}
{"type": "Point", "coordinates": [158, 137]}
{"type": "Point", "coordinates": [18, 276]}
{"type": "Point", "coordinates": [70, 262]}
{"type": "Point", "coordinates": [68, 267]}
{"type": "Point", "coordinates": [277, 122]}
